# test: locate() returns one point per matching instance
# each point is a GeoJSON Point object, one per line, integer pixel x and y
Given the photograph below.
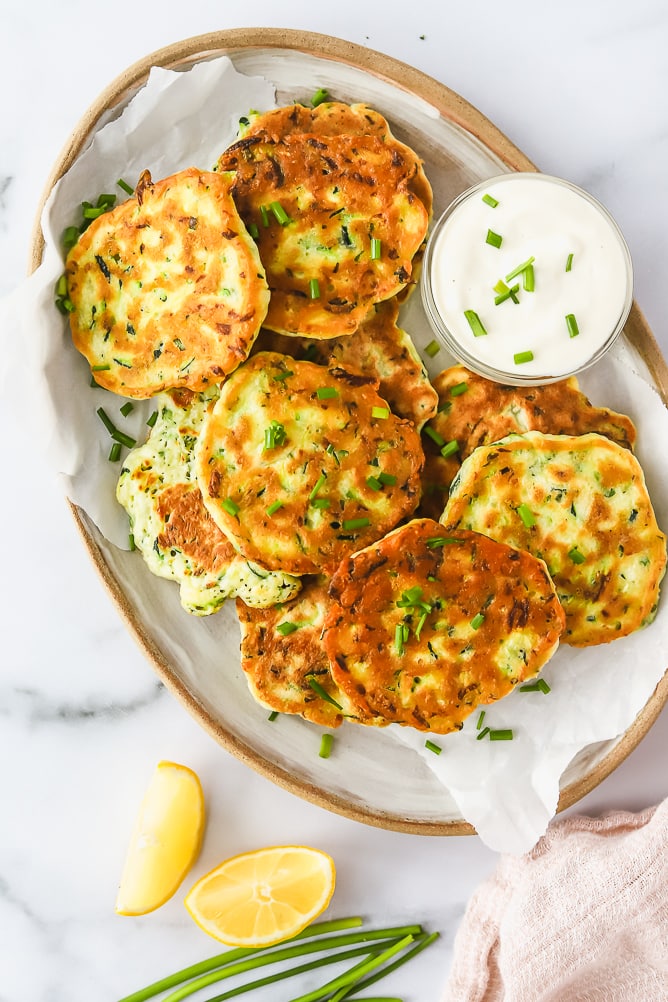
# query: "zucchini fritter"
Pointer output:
{"type": "Point", "coordinates": [475, 411]}
{"type": "Point", "coordinates": [580, 503]}
{"type": "Point", "coordinates": [172, 529]}
{"type": "Point", "coordinates": [299, 464]}
{"type": "Point", "coordinates": [426, 625]}
{"type": "Point", "coordinates": [337, 223]}
{"type": "Point", "coordinates": [168, 287]}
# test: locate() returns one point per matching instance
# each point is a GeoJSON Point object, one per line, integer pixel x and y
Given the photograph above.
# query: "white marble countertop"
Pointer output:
{"type": "Point", "coordinates": [581, 89]}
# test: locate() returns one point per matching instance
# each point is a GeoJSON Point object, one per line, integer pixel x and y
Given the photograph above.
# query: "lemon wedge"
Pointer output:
{"type": "Point", "coordinates": [263, 897]}
{"type": "Point", "coordinates": [165, 842]}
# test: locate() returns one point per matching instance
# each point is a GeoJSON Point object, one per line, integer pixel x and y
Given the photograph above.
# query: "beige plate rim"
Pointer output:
{"type": "Point", "coordinates": [453, 107]}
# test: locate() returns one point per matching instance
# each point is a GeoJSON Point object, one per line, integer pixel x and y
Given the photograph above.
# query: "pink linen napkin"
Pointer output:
{"type": "Point", "coordinates": [583, 917]}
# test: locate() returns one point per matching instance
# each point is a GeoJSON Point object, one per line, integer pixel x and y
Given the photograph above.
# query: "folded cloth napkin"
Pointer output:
{"type": "Point", "coordinates": [583, 917]}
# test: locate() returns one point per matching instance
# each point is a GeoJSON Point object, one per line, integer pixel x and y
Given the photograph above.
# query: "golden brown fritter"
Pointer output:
{"type": "Point", "coordinates": [299, 464]}
{"type": "Point", "coordinates": [426, 625]}
{"type": "Point", "coordinates": [337, 226]}
{"type": "Point", "coordinates": [475, 411]}
{"type": "Point", "coordinates": [581, 504]}
{"type": "Point", "coordinates": [378, 348]}
{"type": "Point", "coordinates": [168, 287]}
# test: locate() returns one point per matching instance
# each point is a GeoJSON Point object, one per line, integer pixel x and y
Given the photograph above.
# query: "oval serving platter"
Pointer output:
{"type": "Point", "coordinates": [374, 779]}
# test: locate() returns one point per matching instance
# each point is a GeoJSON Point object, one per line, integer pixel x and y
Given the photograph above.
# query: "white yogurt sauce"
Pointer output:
{"type": "Point", "coordinates": [545, 219]}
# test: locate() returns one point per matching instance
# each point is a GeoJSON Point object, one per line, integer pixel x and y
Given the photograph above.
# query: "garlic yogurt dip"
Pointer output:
{"type": "Point", "coordinates": [527, 279]}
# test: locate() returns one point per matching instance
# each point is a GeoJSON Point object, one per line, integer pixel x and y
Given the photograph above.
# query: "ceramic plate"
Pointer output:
{"type": "Point", "coordinates": [373, 778]}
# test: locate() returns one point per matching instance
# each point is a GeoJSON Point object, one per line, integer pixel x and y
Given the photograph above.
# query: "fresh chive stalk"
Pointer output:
{"type": "Point", "coordinates": [127, 408]}
{"type": "Point", "coordinates": [264, 215]}
{"type": "Point", "coordinates": [374, 483]}
{"type": "Point", "coordinates": [355, 523]}
{"type": "Point", "coordinates": [501, 735]}
{"type": "Point", "coordinates": [354, 975]}
{"type": "Point", "coordinates": [540, 685]}
{"type": "Point", "coordinates": [434, 435]}
{"type": "Point", "coordinates": [320, 95]}
{"type": "Point", "coordinates": [382, 413]}
{"type": "Point", "coordinates": [388, 479]}
{"type": "Point", "coordinates": [432, 349]}
{"type": "Point", "coordinates": [273, 508]}
{"type": "Point", "coordinates": [477, 621]}
{"type": "Point", "coordinates": [521, 357]}
{"type": "Point", "coordinates": [254, 230]}
{"type": "Point", "coordinates": [456, 391]}
{"type": "Point", "coordinates": [475, 323]}
{"type": "Point", "coordinates": [314, 288]}
{"type": "Point", "coordinates": [230, 507]}
{"type": "Point", "coordinates": [318, 689]}
{"type": "Point", "coordinates": [280, 215]}
{"type": "Point", "coordinates": [124, 186]}
{"type": "Point", "coordinates": [572, 325]}
{"type": "Point", "coordinates": [131, 542]}
{"type": "Point", "coordinates": [272, 716]}
{"type": "Point", "coordinates": [569, 262]}
{"type": "Point", "coordinates": [286, 628]}
{"type": "Point", "coordinates": [376, 249]}
{"type": "Point", "coordinates": [506, 293]}
{"type": "Point", "coordinates": [421, 941]}
{"type": "Point", "coordinates": [575, 556]}
{"type": "Point", "coordinates": [490, 200]}
{"type": "Point", "coordinates": [450, 448]}
{"type": "Point", "coordinates": [115, 452]}
{"type": "Point", "coordinates": [436, 541]}
{"type": "Point", "coordinates": [326, 742]}
{"type": "Point", "coordinates": [494, 239]}
{"type": "Point", "coordinates": [326, 393]}
{"type": "Point", "coordinates": [520, 268]}
{"type": "Point", "coordinates": [319, 484]}
{"type": "Point", "coordinates": [430, 746]}
{"type": "Point", "coordinates": [153, 418]}
{"type": "Point", "coordinates": [483, 733]}
{"type": "Point", "coordinates": [481, 717]}
{"type": "Point", "coordinates": [527, 516]}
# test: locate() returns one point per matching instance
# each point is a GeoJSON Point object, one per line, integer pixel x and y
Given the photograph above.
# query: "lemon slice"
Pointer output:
{"type": "Point", "coordinates": [165, 842]}
{"type": "Point", "coordinates": [263, 897]}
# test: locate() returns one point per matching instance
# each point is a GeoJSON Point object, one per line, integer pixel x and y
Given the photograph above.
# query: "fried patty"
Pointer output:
{"type": "Point", "coordinates": [168, 287]}
{"type": "Point", "coordinates": [337, 225]}
{"type": "Point", "coordinates": [378, 348]}
{"type": "Point", "coordinates": [172, 529]}
{"type": "Point", "coordinates": [285, 663]}
{"type": "Point", "coordinates": [474, 411]}
{"type": "Point", "coordinates": [581, 504]}
{"type": "Point", "coordinates": [426, 625]}
{"type": "Point", "coordinates": [301, 464]}
{"type": "Point", "coordinates": [334, 118]}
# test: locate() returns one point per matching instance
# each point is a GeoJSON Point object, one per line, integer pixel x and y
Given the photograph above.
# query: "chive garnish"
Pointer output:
{"type": "Point", "coordinates": [437, 541]}
{"type": "Point", "coordinates": [254, 230]}
{"type": "Point", "coordinates": [572, 325]}
{"type": "Point", "coordinates": [483, 734]}
{"type": "Point", "coordinates": [401, 635]}
{"type": "Point", "coordinates": [436, 749]}
{"type": "Point", "coordinates": [264, 215]}
{"type": "Point", "coordinates": [314, 288]}
{"type": "Point", "coordinates": [540, 685]}
{"type": "Point", "coordinates": [494, 239]}
{"type": "Point", "coordinates": [320, 483]}
{"type": "Point", "coordinates": [106, 420]}
{"type": "Point", "coordinates": [450, 448]}
{"type": "Point", "coordinates": [481, 717]}
{"type": "Point", "coordinates": [456, 391]}
{"type": "Point", "coordinates": [153, 418]}
{"type": "Point", "coordinates": [273, 508]}
{"type": "Point", "coordinates": [125, 186]}
{"type": "Point", "coordinates": [569, 262]}
{"type": "Point", "coordinates": [326, 393]}
{"type": "Point", "coordinates": [321, 503]}
{"type": "Point", "coordinates": [475, 323]}
{"type": "Point", "coordinates": [320, 95]}
{"type": "Point", "coordinates": [70, 237]}
{"type": "Point", "coordinates": [507, 293]}
{"type": "Point", "coordinates": [576, 556]}
{"type": "Point", "coordinates": [115, 452]}
{"type": "Point", "coordinates": [432, 349]}
{"type": "Point", "coordinates": [388, 479]}
{"type": "Point", "coordinates": [380, 412]}
{"type": "Point", "coordinates": [274, 435]}
{"type": "Point", "coordinates": [230, 507]}
{"type": "Point", "coordinates": [286, 628]}
{"type": "Point", "coordinates": [477, 621]}
{"type": "Point", "coordinates": [355, 523]}
{"type": "Point", "coordinates": [523, 356]}
{"type": "Point", "coordinates": [375, 249]}
{"type": "Point", "coordinates": [374, 483]}
{"type": "Point", "coordinates": [434, 435]}
{"type": "Point", "coordinates": [520, 268]}
{"type": "Point", "coordinates": [527, 516]}
{"type": "Point", "coordinates": [101, 368]}
{"type": "Point", "coordinates": [317, 688]}
{"type": "Point", "coordinates": [283, 375]}
{"type": "Point", "coordinates": [279, 212]}
{"type": "Point", "coordinates": [272, 716]}
{"type": "Point", "coordinates": [127, 408]}
{"type": "Point", "coordinates": [501, 735]}
{"type": "Point", "coordinates": [490, 200]}
{"type": "Point", "coordinates": [529, 279]}
{"type": "Point", "coordinates": [326, 742]}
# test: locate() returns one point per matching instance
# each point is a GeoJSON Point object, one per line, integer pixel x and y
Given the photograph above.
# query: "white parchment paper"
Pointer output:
{"type": "Point", "coordinates": [507, 790]}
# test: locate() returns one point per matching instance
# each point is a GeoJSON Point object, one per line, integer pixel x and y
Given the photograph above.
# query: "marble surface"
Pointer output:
{"type": "Point", "coordinates": [581, 88]}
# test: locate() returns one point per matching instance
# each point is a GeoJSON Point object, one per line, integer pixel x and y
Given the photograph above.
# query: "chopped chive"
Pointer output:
{"type": "Point", "coordinates": [483, 734]}
{"type": "Point", "coordinates": [388, 479]}
{"type": "Point", "coordinates": [421, 621]}
{"type": "Point", "coordinates": [314, 288]}
{"type": "Point", "coordinates": [131, 542]}
{"type": "Point", "coordinates": [572, 325]}
{"type": "Point", "coordinates": [286, 628]}
{"type": "Point", "coordinates": [100, 368]}
{"type": "Point", "coordinates": [127, 440]}
{"type": "Point", "coordinates": [529, 279]}
{"type": "Point", "coordinates": [70, 237]}
{"type": "Point", "coordinates": [569, 262]}
{"type": "Point", "coordinates": [523, 356]}
{"type": "Point", "coordinates": [320, 95]}
{"type": "Point", "coordinates": [434, 435]}
{"type": "Point", "coordinates": [321, 503]}
{"type": "Point", "coordinates": [283, 375]}
{"type": "Point", "coordinates": [264, 215]}
{"type": "Point", "coordinates": [540, 685]}
{"type": "Point", "coordinates": [320, 482]}
{"type": "Point", "coordinates": [576, 556]}
{"type": "Point", "coordinates": [355, 523]}
{"type": "Point", "coordinates": [272, 716]}
{"type": "Point", "coordinates": [450, 448]}
{"type": "Point", "coordinates": [399, 638]}
{"type": "Point", "coordinates": [380, 412]}
{"type": "Point", "coordinates": [273, 508]}
{"type": "Point", "coordinates": [475, 323]}
{"type": "Point", "coordinates": [125, 186]}
{"type": "Point", "coordinates": [437, 541]}
{"type": "Point", "coordinates": [481, 717]}
{"type": "Point", "coordinates": [326, 393]}
{"type": "Point", "coordinates": [61, 286]}
{"type": "Point", "coordinates": [494, 239]}
{"type": "Point", "coordinates": [527, 516]}
{"type": "Point", "coordinates": [317, 688]}
{"type": "Point", "coordinates": [106, 420]}
{"type": "Point", "coordinates": [115, 452]}
{"type": "Point", "coordinates": [501, 735]}
{"type": "Point", "coordinates": [274, 435]}
{"type": "Point", "coordinates": [153, 418]}
{"type": "Point", "coordinates": [501, 287]}
{"type": "Point", "coordinates": [456, 391]}
{"type": "Point", "coordinates": [230, 507]}
{"type": "Point", "coordinates": [374, 483]}
{"type": "Point", "coordinates": [436, 749]}
{"type": "Point", "coordinates": [477, 621]}
{"type": "Point", "coordinates": [127, 408]}
{"type": "Point", "coordinates": [279, 212]}
{"type": "Point", "coordinates": [508, 293]}
{"type": "Point", "coordinates": [254, 230]}
{"type": "Point", "coordinates": [326, 742]}
{"type": "Point", "coordinates": [490, 200]}
{"type": "Point", "coordinates": [375, 249]}
{"type": "Point", "coordinates": [520, 268]}
{"type": "Point", "coordinates": [432, 349]}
